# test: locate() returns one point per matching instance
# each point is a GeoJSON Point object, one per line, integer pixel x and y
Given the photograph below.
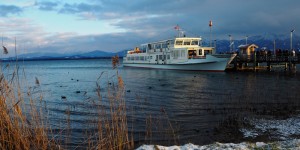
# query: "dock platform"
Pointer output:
{"type": "Point", "coordinates": [264, 62]}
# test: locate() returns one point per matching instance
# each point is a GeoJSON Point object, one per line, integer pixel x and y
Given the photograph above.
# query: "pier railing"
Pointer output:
{"type": "Point", "coordinates": [267, 58]}
{"type": "Point", "coordinates": [265, 61]}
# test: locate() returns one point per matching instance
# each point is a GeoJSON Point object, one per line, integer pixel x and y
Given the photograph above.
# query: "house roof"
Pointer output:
{"type": "Point", "coordinates": [247, 46]}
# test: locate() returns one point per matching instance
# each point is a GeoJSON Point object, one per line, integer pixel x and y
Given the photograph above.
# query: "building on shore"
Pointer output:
{"type": "Point", "coordinates": [247, 50]}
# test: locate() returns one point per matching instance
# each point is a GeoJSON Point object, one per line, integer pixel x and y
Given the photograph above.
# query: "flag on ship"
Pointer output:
{"type": "Point", "coordinates": [210, 23]}
{"type": "Point", "coordinates": [176, 27]}
{"type": "Point", "coordinates": [5, 51]}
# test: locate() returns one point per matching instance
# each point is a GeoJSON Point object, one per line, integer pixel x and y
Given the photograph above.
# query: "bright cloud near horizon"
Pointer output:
{"type": "Point", "coordinates": [66, 26]}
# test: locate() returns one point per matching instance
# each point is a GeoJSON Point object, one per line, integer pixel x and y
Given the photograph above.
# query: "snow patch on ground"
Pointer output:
{"type": "Point", "coordinates": [283, 130]}
{"type": "Point", "coordinates": [280, 129]}
{"type": "Point", "coordinates": [291, 144]}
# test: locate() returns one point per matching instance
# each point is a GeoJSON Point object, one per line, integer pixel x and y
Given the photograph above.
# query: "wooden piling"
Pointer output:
{"type": "Point", "coordinates": [254, 62]}
{"type": "Point", "coordinates": [269, 66]}
{"type": "Point", "coordinates": [288, 63]}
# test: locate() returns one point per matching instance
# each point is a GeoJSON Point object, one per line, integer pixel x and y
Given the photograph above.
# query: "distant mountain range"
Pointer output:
{"type": "Point", "coordinates": [264, 42]}
{"type": "Point", "coordinates": [58, 56]}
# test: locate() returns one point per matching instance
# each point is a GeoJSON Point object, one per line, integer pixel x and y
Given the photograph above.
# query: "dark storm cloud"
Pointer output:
{"type": "Point", "coordinates": [229, 17]}
{"type": "Point", "coordinates": [149, 20]}
{"type": "Point", "coordinates": [5, 10]}
{"type": "Point", "coordinates": [47, 5]}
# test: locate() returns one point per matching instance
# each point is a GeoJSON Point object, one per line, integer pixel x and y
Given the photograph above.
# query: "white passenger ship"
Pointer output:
{"type": "Point", "coordinates": [181, 53]}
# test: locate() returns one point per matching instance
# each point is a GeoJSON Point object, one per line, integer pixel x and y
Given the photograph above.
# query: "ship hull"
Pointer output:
{"type": "Point", "coordinates": [209, 66]}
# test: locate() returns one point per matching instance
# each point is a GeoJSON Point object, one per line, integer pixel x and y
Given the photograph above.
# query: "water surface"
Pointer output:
{"type": "Point", "coordinates": [185, 106]}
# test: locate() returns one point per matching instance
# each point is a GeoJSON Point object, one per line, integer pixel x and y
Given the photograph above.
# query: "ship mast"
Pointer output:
{"type": "Point", "coordinates": [210, 26]}
{"type": "Point", "coordinates": [177, 28]}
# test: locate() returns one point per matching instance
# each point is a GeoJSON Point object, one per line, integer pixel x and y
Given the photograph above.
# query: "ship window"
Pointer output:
{"type": "Point", "coordinates": [142, 57]}
{"type": "Point", "coordinates": [160, 57]}
{"type": "Point", "coordinates": [149, 46]}
{"type": "Point", "coordinates": [164, 57]}
{"type": "Point", "coordinates": [164, 45]}
{"type": "Point", "coordinates": [168, 56]}
{"type": "Point", "coordinates": [192, 53]}
{"type": "Point", "coordinates": [194, 42]}
{"type": "Point", "coordinates": [182, 53]}
{"type": "Point", "coordinates": [136, 57]}
{"type": "Point", "coordinates": [200, 52]}
{"type": "Point", "coordinates": [176, 54]}
{"type": "Point", "coordinates": [143, 48]}
{"type": "Point", "coordinates": [179, 42]}
{"type": "Point", "coordinates": [187, 43]}
{"type": "Point", "coordinates": [150, 57]}
{"type": "Point", "coordinates": [157, 46]}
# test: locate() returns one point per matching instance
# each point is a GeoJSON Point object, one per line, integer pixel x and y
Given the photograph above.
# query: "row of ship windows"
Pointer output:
{"type": "Point", "coordinates": [139, 57]}
{"type": "Point", "coordinates": [187, 42]}
{"type": "Point", "coordinates": [166, 44]}
{"type": "Point", "coordinates": [158, 57]}
{"type": "Point", "coordinates": [175, 54]}
{"type": "Point", "coordinates": [154, 46]}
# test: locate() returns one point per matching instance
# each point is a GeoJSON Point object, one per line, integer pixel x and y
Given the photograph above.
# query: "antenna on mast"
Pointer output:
{"type": "Point", "coordinates": [210, 26]}
{"type": "Point", "coordinates": [178, 30]}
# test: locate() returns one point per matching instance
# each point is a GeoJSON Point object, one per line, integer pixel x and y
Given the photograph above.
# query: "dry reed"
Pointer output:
{"type": "Point", "coordinates": [112, 128]}
{"type": "Point", "coordinates": [22, 125]}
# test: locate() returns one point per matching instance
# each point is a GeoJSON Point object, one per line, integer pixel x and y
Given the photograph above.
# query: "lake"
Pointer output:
{"type": "Point", "coordinates": [177, 107]}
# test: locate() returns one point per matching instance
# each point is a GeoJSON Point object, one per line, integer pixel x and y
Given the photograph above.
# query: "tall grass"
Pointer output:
{"type": "Point", "coordinates": [22, 125]}
{"type": "Point", "coordinates": [112, 121]}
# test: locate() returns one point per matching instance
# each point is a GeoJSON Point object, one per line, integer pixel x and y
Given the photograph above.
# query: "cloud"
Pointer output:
{"type": "Point", "coordinates": [47, 5]}
{"type": "Point", "coordinates": [145, 21]}
{"type": "Point", "coordinates": [79, 8]}
{"type": "Point", "coordinates": [5, 10]}
{"type": "Point", "coordinates": [31, 37]}
{"type": "Point", "coordinates": [70, 42]}
{"type": "Point", "coordinates": [232, 16]}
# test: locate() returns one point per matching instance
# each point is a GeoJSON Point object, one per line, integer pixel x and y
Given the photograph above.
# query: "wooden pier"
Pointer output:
{"type": "Point", "coordinates": [265, 62]}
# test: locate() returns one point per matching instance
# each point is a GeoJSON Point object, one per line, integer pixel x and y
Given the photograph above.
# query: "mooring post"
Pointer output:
{"type": "Point", "coordinates": [235, 63]}
{"type": "Point", "coordinates": [254, 61]}
{"type": "Point", "coordinates": [290, 61]}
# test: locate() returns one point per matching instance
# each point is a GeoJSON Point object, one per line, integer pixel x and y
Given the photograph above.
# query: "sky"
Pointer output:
{"type": "Point", "coordinates": [67, 26]}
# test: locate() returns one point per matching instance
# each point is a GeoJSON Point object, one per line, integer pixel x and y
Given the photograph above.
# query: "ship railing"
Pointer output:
{"type": "Point", "coordinates": [268, 58]}
{"type": "Point", "coordinates": [222, 55]}
{"type": "Point", "coordinates": [197, 57]}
